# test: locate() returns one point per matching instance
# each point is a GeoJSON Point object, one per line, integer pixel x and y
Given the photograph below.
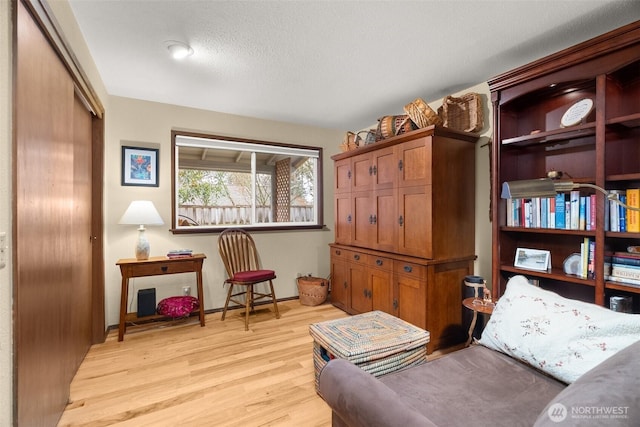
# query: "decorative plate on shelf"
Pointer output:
{"type": "Point", "coordinates": [577, 112]}
{"type": "Point", "coordinates": [572, 264]}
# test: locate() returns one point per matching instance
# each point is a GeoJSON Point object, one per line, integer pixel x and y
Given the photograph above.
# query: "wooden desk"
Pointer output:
{"type": "Point", "coordinates": [477, 308]}
{"type": "Point", "coordinates": [156, 266]}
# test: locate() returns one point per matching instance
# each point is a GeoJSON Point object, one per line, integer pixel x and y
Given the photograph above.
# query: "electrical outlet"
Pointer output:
{"type": "Point", "coordinates": [186, 290]}
{"type": "Point", "coordinates": [3, 249]}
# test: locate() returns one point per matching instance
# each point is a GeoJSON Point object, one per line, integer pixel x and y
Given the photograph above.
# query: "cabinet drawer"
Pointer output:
{"type": "Point", "coordinates": [337, 253]}
{"type": "Point", "coordinates": [357, 257]}
{"type": "Point", "coordinates": [380, 262]}
{"type": "Point", "coordinates": [158, 269]}
{"type": "Point", "coordinates": [410, 269]}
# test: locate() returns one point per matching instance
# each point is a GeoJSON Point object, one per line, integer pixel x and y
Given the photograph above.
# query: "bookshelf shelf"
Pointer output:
{"type": "Point", "coordinates": [554, 274]}
{"type": "Point", "coordinates": [620, 235]}
{"type": "Point", "coordinates": [628, 121]}
{"type": "Point", "coordinates": [603, 149]}
{"type": "Point", "coordinates": [622, 287]}
{"type": "Point", "coordinates": [553, 136]}
{"type": "Point", "coordinates": [623, 177]}
{"type": "Point", "coordinates": [556, 231]}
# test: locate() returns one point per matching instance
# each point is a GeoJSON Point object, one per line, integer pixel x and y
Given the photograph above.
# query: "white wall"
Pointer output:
{"type": "Point", "coordinates": [6, 287]}
{"type": "Point", "coordinates": [142, 123]}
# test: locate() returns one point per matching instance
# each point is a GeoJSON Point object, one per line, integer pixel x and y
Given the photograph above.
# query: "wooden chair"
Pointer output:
{"type": "Point", "coordinates": [240, 257]}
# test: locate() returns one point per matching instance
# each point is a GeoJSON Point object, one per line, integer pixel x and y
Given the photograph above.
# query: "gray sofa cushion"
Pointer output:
{"type": "Point", "coordinates": [359, 400]}
{"type": "Point", "coordinates": [608, 394]}
{"type": "Point", "coordinates": [475, 386]}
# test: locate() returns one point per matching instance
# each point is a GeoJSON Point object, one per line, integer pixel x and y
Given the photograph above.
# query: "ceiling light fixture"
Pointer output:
{"type": "Point", "coordinates": [178, 49]}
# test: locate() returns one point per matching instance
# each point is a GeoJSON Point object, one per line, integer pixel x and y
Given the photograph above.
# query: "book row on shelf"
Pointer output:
{"type": "Point", "coordinates": [621, 267]}
{"type": "Point", "coordinates": [573, 211]}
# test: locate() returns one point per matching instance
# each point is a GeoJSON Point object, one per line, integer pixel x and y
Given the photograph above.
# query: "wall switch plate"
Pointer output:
{"type": "Point", "coordinates": [3, 249]}
{"type": "Point", "coordinates": [186, 290]}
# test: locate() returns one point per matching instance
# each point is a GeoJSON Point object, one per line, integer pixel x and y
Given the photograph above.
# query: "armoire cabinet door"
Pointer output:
{"type": "Point", "coordinates": [414, 162]}
{"type": "Point", "coordinates": [411, 285]}
{"type": "Point", "coordinates": [343, 218]}
{"type": "Point", "coordinates": [415, 222]}
{"type": "Point", "coordinates": [362, 211]}
{"type": "Point", "coordinates": [357, 266]}
{"type": "Point", "coordinates": [339, 280]}
{"type": "Point", "coordinates": [361, 173]}
{"type": "Point", "coordinates": [383, 221]}
{"type": "Point", "coordinates": [384, 168]}
{"type": "Point", "coordinates": [342, 176]}
{"type": "Point", "coordinates": [381, 283]}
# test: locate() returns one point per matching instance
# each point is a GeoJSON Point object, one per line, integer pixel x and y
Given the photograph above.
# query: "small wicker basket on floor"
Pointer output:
{"type": "Point", "coordinates": [312, 290]}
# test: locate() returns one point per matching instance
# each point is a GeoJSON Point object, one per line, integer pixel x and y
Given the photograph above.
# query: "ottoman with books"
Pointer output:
{"type": "Point", "coordinates": [376, 342]}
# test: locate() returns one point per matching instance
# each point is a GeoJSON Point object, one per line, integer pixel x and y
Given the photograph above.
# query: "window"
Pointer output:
{"type": "Point", "coordinates": [221, 182]}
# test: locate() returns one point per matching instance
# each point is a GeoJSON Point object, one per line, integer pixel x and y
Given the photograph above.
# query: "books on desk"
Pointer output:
{"type": "Point", "coordinates": [180, 253]}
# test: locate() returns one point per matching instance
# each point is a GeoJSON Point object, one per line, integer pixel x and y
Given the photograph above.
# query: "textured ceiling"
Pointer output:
{"type": "Point", "coordinates": [334, 64]}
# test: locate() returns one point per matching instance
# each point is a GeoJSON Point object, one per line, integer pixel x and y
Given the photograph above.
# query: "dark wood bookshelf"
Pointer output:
{"type": "Point", "coordinates": [603, 149]}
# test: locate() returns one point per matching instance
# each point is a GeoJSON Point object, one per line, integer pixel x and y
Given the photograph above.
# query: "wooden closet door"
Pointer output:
{"type": "Point", "coordinates": [52, 223]}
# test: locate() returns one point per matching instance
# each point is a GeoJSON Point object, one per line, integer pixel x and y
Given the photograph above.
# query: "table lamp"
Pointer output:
{"type": "Point", "coordinates": [141, 212]}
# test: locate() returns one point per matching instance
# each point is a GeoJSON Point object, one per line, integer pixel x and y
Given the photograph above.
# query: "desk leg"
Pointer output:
{"type": "Point", "coordinates": [123, 307]}
{"type": "Point", "coordinates": [200, 294]}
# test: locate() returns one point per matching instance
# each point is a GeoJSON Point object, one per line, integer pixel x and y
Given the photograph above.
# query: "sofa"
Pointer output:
{"type": "Point", "coordinates": [542, 360]}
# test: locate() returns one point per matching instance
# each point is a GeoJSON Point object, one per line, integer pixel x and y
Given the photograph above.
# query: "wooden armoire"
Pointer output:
{"type": "Point", "coordinates": [404, 229]}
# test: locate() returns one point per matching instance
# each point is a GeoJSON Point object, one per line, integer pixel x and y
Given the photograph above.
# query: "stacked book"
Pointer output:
{"type": "Point", "coordinates": [180, 253]}
{"type": "Point", "coordinates": [625, 268]}
{"type": "Point", "coordinates": [587, 258]}
{"type": "Point", "coordinates": [620, 218]}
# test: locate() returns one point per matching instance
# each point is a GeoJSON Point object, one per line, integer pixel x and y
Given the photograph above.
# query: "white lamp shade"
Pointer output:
{"type": "Point", "coordinates": [141, 212]}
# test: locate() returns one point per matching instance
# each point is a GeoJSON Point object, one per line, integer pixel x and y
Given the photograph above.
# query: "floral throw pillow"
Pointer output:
{"type": "Point", "coordinates": [560, 336]}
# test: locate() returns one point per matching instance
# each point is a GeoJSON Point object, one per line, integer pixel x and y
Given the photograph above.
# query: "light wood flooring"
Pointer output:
{"type": "Point", "coordinates": [217, 375]}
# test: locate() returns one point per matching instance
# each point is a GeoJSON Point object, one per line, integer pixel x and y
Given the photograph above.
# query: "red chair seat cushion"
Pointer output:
{"type": "Point", "coordinates": [178, 306]}
{"type": "Point", "coordinates": [254, 276]}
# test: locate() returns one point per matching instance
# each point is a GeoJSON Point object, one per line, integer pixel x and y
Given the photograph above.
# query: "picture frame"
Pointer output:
{"type": "Point", "coordinates": [532, 259]}
{"type": "Point", "coordinates": [140, 166]}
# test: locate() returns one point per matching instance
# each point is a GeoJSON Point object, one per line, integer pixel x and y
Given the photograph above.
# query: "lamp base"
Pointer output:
{"type": "Point", "coordinates": [142, 245]}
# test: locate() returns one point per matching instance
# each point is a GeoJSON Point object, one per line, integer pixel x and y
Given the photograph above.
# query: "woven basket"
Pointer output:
{"type": "Point", "coordinates": [312, 290]}
{"type": "Point", "coordinates": [421, 114]}
{"type": "Point", "coordinates": [368, 138]}
{"type": "Point", "coordinates": [349, 142]}
{"type": "Point", "coordinates": [389, 126]}
{"type": "Point", "coordinates": [463, 113]}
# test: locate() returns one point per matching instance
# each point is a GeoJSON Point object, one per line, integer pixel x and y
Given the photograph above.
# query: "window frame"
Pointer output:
{"type": "Point", "coordinates": [175, 229]}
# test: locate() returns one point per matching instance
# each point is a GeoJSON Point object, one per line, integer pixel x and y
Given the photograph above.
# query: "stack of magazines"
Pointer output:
{"type": "Point", "coordinates": [180, 253]}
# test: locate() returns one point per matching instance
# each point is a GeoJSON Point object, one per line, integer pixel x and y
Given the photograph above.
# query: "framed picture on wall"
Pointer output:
{"type": "Point", "coordinates": [140, 166]}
